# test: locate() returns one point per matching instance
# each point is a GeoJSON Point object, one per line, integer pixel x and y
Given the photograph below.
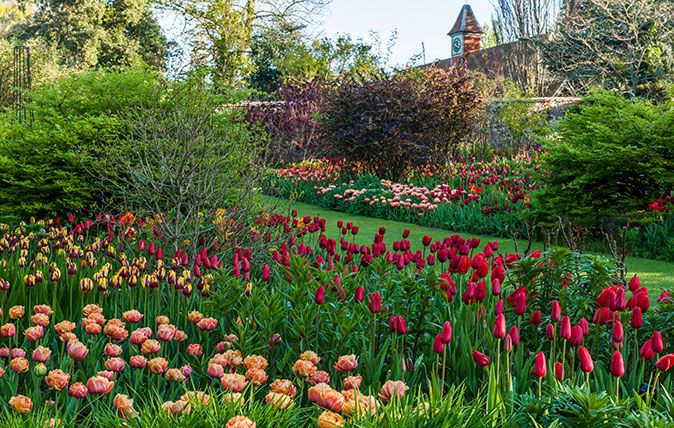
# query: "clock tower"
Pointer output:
{"type": "Point", "coordinates": [465, 34]}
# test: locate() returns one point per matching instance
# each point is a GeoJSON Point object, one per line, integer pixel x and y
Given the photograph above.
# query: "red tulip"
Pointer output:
{"type": "Point", "coordinates": [500, 327]}
{"type": "Point", "coordinates": [498, 308]}
{"type": "Point", "coordinates": [635, 283]}
{"type": "Point", "coordinates": [586, 364]}
{"type": "Point", "coordinates": [446, 333]}
{"type": "Point", "coordinates": [495, 287]}
{"type": "Point", "coordinates": [665, 362]}
{"type": "Point", "coordinates": [665, 297]}
{"type": "Point", "coordinates": [540, 365]}
{"type": "Point", "coordinates": [481, 359]}
{"type": "Point", "coordinates": [319, 297]}
{"type": "Point", "coordinates": [266, 274]}
{"type": "Point", "coordinates": [374, 303]}
{"type": "Point", "coordinates": [438, 346]}
{"type": "Point", "coordinates": [520, 303]}
{"type": "Point", "coordinates": [646, 351]}
{"type": "Point", "coordinates": [618, 333]}
{"type": "Point", "coordinates": [359, 296]}
{"type": "Point", "coordinates": [565, 328]}
{"type": "Point", "coordinates": [656, 342]}
{"type": "Point", "coordinates": [402, 325]}
{"type": "Point", "coordinates": [536, 317]}
{"type": "Point", "coordinates": [556, 311]}
{"type": "Point", "coordinates": [576, 335]}
{"type": "Point", "coordinates": [559, 371]}
{"type": "Point", "coordinates": [637, 319]}
{"type": "Point", "coordinates": [514, 334]}
{"type": "Point", "coordinates": [393, 323]}
{"type": "Point", "coordinates": [550, 331]}
{"type": "Point", "coordinates": [584, 325]}
{"type": "Point", "coordinates": [617, 364]}
{"type": "Point", "coordinates": [508, 343]}
{"type": "Point", "coordinates": [426, 240]}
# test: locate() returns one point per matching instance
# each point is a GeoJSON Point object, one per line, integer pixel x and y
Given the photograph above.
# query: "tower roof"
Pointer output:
{"type": "Point", "coordinates": [466, 22]}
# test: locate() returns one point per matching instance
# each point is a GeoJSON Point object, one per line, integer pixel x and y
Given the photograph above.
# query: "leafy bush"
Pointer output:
{"type": "Point", "coordinates": [607, 159]}
{"type": "Point", "coordinates": [398, 120]}
{"type": "Point", "coordinates": [291, 123]}
{"type": "Point", "coordinates": [45, 162]}
{"type": "Point", "coordinates": [181, 158]}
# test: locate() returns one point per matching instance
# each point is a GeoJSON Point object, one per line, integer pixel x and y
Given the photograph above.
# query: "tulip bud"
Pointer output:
{"type": "Point", "coordinates": [536, 317]}
{"type": "Point", "coordinates": [576, 335]}
{"type": "Point", "coordinates": [556, 311]}
{"type": "Point", "coordinates": [319, 297]}
{"type": "Point", "coordinates": [617, 364]}
{"type": "Point", "coordinates": [374, 303]}
{"type": "Point", "coordinates": [635, 283]}
{"type": "Point", "coordinates": [618, 334]}
{"type": "Point", "coordinates": [266, 274]}
{"type": "Point", "coordinates": [480, 359]}
{"type": "Point", "coordinates": [359, 296]}
{"type": "Point", "coordinates": [508, 343]}
{"type": "Point", "coordinates": [39, 369]}
{"type": "Point", "coordinates": [585, 326]}
{"type": "Point", "coordinates": [586, 363]}
{"type": "Point", "coordinates": [637, 318]}
{"type": "Point", "coordinates": [665, 363]}
{"type": "Point", "coordinates": [540, 365]}
{"type": "Point", "coordinates": [500, 327]}
{"type": "Point", "coordinates": [656, 342]}
{"type": "Point", "coordinates": [495, 287]}
{"type": "Point", "coordinates": [550, 331]}
{"type": "Point", "coordinates": [446, 333]}
{"type": "Point", "coordinates": [514, 334]}
{"type": "Point", "coordinates": [498, 309]}
{"type": "Point", "coordinates": [402, 325]}
{"type": "Point", "coordinates": [646, 351]}
{"type": "Point", "coordinates": [565, 328]}
{"type": "Point", "coordinates": [559, 371]}
{"type": "Point", "coordinates": [438, 346]}
{"type": "Point", "coordinates": [393, 323]}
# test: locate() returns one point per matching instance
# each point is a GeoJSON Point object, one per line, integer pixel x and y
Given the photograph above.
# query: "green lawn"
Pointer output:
{"type": "Point", "coordinates": [654, 274]}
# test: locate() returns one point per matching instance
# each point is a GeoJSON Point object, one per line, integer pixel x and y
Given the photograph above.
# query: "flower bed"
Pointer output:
{"type": "Point", "coordinates": [481, 197]}
{"type": "Point", "coordinates": [101, 322]}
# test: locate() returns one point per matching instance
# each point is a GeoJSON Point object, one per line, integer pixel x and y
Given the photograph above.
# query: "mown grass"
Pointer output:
{"type": "Point", "coordinates": [654, 274]}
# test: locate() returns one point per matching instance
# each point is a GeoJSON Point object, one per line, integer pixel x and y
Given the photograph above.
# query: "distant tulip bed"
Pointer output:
{"type": "Point", "coordinates": [475, 197]}
{"type": "Point", "coordinates": [102, 325]}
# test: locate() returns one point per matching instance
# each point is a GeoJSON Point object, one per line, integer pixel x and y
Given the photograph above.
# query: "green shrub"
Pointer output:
{"type": "Point", "coordinates": [607, 160]}
{"type": "Point", "coordinates": [46, 163]}
{"type": "Point", "coordinates": [395, 121]}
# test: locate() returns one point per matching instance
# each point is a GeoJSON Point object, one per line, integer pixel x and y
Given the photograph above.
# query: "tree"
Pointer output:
{"type": "Point", "coordinates": [284, 53]}
{"type": "Point", "coordinates": [525, 21]}
{"type": "Point", "coordinates": [221, 32]}
{"type": "Point", "coordinates": [93, 33]}
{"type": "Point", "coordinates": [391, 122]}
{"type": "Point", "coordinates": [621, 44]}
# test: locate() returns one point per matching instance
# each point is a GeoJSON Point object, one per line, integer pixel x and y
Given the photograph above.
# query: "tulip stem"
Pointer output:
{"type": "Point", "coordinates": [444, 362]}
{"type": "Point", "coordinates": [540, 381]}
{"type": "Point", "coordinates": [498, 360]}
{"type": "Point", "coordinates": [617, 389]}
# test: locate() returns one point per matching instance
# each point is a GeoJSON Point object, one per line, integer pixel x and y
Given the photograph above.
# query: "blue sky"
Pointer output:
{"type": "Point", "coordinates": [416, 21]}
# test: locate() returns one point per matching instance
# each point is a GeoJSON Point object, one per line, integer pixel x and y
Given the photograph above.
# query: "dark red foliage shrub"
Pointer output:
{"type": "Point", "coordinates": [404, 119]}
{"type": "Point", "coordinates": [290, 122]}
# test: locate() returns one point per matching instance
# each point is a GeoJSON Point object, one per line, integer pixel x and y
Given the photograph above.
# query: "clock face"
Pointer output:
{"type": "Point", "coordinates": [457, 46]}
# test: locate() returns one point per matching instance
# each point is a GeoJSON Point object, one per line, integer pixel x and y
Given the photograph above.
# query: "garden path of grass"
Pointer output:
{"type": "Point", "coordinates": [654, 274]}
